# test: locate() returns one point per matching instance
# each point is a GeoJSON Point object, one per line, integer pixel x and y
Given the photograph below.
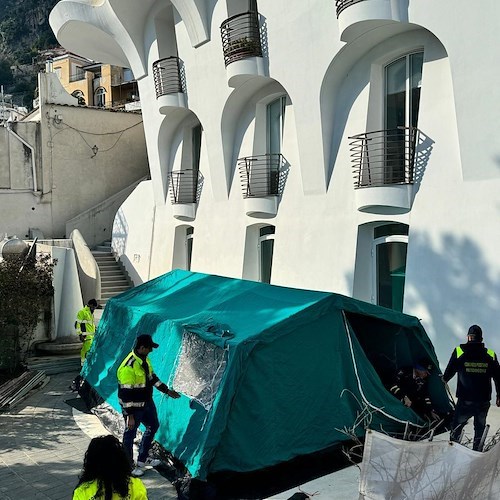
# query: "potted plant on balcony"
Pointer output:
{"type": "Point", "coordinates": [244, 45]}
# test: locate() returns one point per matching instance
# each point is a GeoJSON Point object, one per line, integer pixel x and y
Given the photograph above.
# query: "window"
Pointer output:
{"type": "Point", "coordinates": [189, 246]}
{"type": "Point", "coordinates": [185, 181]}
{"type": "Point", "coordinates": [266, 247]}
{"type": "Point", "coordinates": [100, 97]}
{"type": "Point", "coordinates": [403, 79]}
{"type": "Point", "coordinates": [128, 76]}
{"type": "Point", "coordinates": [275, 125]}
{"type": "Point", "coordinates": [77, 73]}
{"type": "Point", "coordinates": [389, 265]}
{"type": "Point", "coordinates": [200, 367]}
{"type": "Point", "coordinates": [58, 72]}
{"type": "Point", "coordinates": [196, 146]}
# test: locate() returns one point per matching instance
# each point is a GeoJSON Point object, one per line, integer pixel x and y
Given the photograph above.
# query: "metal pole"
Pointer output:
{"type": "Point", "coordinates": [483, 438]}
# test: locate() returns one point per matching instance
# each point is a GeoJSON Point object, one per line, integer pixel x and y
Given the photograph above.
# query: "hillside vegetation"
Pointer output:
{"type": "Point", "coordinates": [24, 31]}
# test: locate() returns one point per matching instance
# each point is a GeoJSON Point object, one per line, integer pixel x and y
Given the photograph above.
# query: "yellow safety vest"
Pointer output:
{"type": "Point", "coordinates": [86, 317]}
{"type": "Point", "coordinates": [133, 389]}
{"type": "Point", "coordinates": [87, 491]}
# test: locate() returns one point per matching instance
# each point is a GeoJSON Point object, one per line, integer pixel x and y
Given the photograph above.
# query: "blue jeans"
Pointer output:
{"type": "Point", "coordinates": [149, 418]}
{"type": "Point", "coordinates": [465, 410]}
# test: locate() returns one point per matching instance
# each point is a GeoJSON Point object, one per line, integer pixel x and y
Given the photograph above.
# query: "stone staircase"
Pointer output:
{"type": "Point", "coordinates": [114, 279]}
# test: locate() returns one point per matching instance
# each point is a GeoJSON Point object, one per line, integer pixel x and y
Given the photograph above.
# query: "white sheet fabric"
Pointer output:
{"type": "Point", "coordinates": [395, 469]}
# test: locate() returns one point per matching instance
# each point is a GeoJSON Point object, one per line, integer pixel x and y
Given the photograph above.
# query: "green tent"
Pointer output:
{"type": "Point", "coordinates": [267, 373]}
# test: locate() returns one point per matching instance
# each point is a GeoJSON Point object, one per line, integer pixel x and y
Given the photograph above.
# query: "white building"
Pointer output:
{"type": "Point", "coordinates": [344, 145]}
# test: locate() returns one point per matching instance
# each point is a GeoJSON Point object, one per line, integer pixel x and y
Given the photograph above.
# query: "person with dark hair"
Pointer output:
{"type": "Point", "coordinates": [410, 387]}
{"type": "Point", "coordinates": [107, 473]}
{"type": "Point", "coordinates": [476, 367]}
{"type": "Point", "coordinates": [136, 379]}
{"type": "Point", "coordinates": [85, 329]}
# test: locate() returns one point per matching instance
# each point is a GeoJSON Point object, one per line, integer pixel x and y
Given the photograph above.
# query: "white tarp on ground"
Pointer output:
{"type": "Point", "coordinates": [395, 469]}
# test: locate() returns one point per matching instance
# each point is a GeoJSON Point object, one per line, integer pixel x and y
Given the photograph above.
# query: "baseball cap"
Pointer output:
{"type": "Point", "coordinates": [145, 341]}
{"type": "Point", "coordinates": [424, 365]}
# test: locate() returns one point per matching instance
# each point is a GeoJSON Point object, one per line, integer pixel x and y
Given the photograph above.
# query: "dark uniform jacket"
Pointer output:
{"type": "Point", "coordinates": [476, 366]}
{"type": "Point", "coordinates": [406, 383]}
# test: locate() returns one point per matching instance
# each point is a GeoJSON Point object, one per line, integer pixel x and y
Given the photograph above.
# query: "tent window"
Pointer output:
{"type": "Point", "coordinates": [200, 368]}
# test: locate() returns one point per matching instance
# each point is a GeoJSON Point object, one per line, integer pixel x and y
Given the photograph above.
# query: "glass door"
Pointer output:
{"type": "Point", "coordinates": [389, 254]}
{"type": "Point", "coordinates": [403, 79]}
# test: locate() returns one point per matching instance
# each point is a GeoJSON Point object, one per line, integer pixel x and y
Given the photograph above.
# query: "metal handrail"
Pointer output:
{"type": "Point", "coordinates": [261, 175]}
{"type": "Point", "coordinates": [384, 157]}
{"type": "Point", "coordinates": [167, 76]}
{"type": "Point", "coordinates": [343, 4]}
{"type": "Point", "coordinates": [183, 186]}
{"type": "Point", "coordinates": [241, 37]}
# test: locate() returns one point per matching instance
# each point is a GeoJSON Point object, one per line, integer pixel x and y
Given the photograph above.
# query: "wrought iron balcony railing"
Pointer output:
{"type": "Point", "coordinates": [167, 76]}
{"type": "Point", "coordinates": [241, 37]}
{"type": "Point", "coordinates": [262, 175]}
{"type": "Point", "coordinates": [384, 157]}
{"type": "Point", "coordinates": [343, 4]}
{"type": "Point", "coordinates": [183, 186]}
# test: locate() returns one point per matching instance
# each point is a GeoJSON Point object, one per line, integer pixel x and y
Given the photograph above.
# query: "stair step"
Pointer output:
{"type": "Point", "coordinates": [108, 265]}
{"type": "Point", "coordinates": [118, 288]}
{"type": "Point", "coordinates": [103, 256]}
{"type": "Point", "coordinates": [114, 280]}
{"type": "Point", "coordinates": [109, 295]}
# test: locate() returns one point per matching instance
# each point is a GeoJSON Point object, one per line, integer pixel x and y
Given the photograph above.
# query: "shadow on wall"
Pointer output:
{"type": "Point", "coordinates": [423, 150]}
{"type": "Point", "coordinates": [456, 287]}
{"type": "Point", "coordinates": [119, 233]}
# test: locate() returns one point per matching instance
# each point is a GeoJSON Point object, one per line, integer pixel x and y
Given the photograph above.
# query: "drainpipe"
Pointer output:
{"type": "Point", "coordinates": [32, 149]}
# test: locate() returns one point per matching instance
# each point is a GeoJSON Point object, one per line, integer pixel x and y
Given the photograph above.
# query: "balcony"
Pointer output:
{"type": "Point", "coordinates": [357, 17]}
{"type": "Point", "coordinates": [262, 180]}
{"type": "Point", "coordinates": [169, 85]}
{"type": "Point", "coordinates": [384, 169]}
{"type": "Point", "coordinates": [184, 189]}
{"type": "Point", "coordinates": [242, 47]}
{"type": "Point", "coordinates": [76, 77]}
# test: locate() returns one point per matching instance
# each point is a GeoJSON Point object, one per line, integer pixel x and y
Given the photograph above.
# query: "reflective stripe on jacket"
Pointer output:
{"type": "Point", "coordinates": [86, 317]}
{"type": "Point", "coordinates": [135, 383]}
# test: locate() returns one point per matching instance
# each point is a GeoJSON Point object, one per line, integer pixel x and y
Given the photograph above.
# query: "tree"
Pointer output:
{"type": "Point", "coordinates": [5, 73]}
{"type": "Point", "coordinates": [26, 293]}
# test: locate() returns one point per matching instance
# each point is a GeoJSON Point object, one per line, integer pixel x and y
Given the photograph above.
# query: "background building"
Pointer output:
{"type": "Point", "coordinates": [346, 146]}
{"type": "Point", "coordinates": [64, 166]}
{"type": "Point", "coordinates": [94, 84]}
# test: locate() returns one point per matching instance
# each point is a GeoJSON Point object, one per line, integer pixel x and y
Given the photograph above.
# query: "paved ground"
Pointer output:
{"type": "Point", "coordinates": [42, 444]}
{"type": "Point", "coordinates": [43, 441]}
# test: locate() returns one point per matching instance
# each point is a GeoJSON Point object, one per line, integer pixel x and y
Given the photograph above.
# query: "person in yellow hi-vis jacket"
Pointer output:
{"type": "Point", "coordinates": [136, 379]}
{"type": "Point", "coordinates": [106, 473]}
{"type": "Point", "coordinates": [85, 329]}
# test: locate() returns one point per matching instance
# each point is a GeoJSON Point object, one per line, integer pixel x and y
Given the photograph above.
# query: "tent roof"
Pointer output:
{"type": "Point", "coordinates": [200, 300]}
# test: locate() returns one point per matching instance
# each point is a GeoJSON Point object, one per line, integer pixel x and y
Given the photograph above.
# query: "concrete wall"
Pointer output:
{"type": "Point", "coordinates": [67, 295]}
{"type": "Point", "coordinates": [83, 158]}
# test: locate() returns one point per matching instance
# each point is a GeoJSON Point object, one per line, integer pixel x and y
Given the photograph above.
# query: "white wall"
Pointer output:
{"type": "Point", "coordinates": [335, 90]}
